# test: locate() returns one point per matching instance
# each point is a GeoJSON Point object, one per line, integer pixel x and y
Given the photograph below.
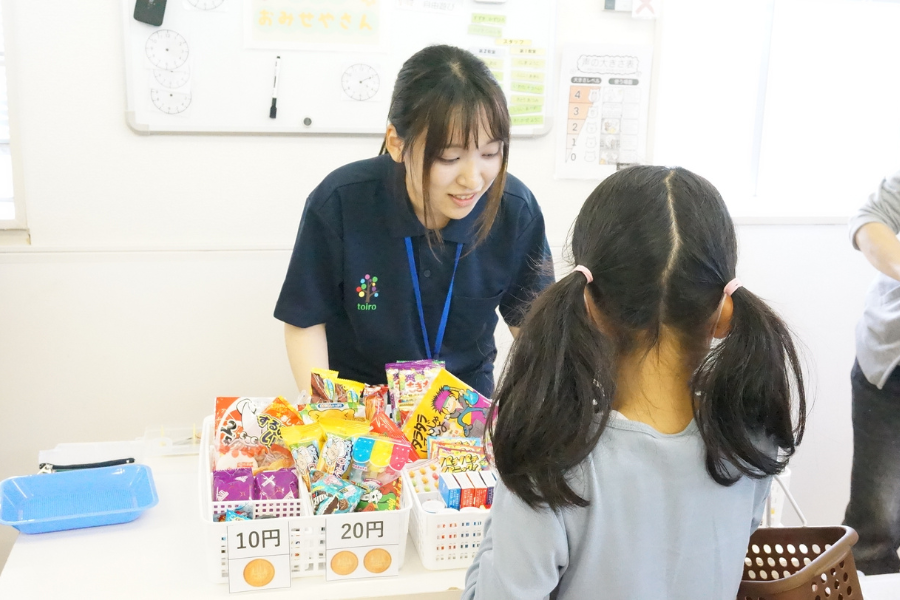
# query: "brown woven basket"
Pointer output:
{"type": "Point", "coordinates": [800, 563]}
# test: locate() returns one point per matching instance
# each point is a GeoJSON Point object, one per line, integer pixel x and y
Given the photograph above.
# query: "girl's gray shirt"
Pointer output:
{"type": "Point", "coordinates": [878, 331]}
{"type": "Point", "coordinates": [657, 527]}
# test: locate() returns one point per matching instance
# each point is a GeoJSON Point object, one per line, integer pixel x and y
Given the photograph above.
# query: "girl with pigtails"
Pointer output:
{"type": "Point", "coordinates": [647, 402]}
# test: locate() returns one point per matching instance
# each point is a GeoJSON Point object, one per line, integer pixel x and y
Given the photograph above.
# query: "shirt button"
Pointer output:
{"type": "Point", "coordinates": [426, 273]}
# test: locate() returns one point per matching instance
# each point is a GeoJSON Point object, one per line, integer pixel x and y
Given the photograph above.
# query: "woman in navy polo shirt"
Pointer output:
{"type": "Point", "coordinates": [409, 254]}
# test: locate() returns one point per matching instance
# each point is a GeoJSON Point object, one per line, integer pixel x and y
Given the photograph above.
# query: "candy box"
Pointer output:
{"type": "Point", "coordinates": [480, 489]}
{"type": "Point", "coordinates": [489, 481]}
{"type": "Point", "coordinates": [449, 408]}
{"type": "Point", "coordinates": [450, 490]}
{"type": "Point", "coordinates": [466, 491]}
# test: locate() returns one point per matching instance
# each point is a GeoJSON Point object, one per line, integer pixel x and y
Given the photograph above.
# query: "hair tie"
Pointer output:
{"type": "Point", "coordinates": [586, 271]}
{"type": "Point", "coordinates": [732, 286]}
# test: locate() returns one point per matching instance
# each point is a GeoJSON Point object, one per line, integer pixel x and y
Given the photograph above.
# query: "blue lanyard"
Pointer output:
{"type": "Point", "coordinates": [415, 281]}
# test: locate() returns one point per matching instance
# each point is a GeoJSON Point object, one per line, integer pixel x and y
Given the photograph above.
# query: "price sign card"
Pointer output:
{"type": "Point", "coordinates": [258, 556]}
{"type": "Point", "coordinates": [362, 545]}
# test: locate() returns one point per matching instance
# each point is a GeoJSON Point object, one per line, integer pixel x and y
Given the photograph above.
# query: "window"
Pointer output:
{"type": "Point", "coordinates": [787, 106]}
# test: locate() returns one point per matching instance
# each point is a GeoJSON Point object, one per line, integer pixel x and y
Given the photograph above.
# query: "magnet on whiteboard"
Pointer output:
{"type": "Point", "coordinates": [307, 121]}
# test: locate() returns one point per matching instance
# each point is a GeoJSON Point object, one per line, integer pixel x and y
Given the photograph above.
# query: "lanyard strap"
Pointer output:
{"type": "Point", "coordinates": [415, 281]}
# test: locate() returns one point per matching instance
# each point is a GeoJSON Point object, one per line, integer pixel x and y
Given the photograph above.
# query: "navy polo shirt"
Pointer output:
{"type": "Point", "coordinates": [352, 231]}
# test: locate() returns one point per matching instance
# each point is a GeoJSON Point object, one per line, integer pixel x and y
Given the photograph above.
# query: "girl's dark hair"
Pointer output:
{"type": "Point", "coordinates": [661, 246]}
{"type": "Point", "coordinates": [444, 92]}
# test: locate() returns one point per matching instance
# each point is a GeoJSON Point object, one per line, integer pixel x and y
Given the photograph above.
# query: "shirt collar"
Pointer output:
{"type": "Point", "coordinates": [402, 220]}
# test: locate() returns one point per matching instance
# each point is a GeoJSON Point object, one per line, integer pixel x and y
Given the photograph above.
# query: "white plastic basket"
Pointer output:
{"type": "Point", "coordinates": [447, 540]}
{"type": "Point", "coordinates": [307, 530]}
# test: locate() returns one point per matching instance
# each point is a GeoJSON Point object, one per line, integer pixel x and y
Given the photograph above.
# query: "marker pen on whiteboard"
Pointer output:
{"type": "Point", "coordinates": [274, 109]}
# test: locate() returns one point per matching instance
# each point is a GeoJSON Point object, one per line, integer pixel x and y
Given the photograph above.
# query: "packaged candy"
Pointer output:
{"type": "Point", "coordinates": [383, 425]}
{"type": "Point", "coordinates": [338, 447]}
{"type": "Point", "coordinates": [243, 418]}
{"type": "Point", "coordinates": [375, 400]}
{"type": "Point", "coordinates": [232, 485]}
{"type": "Point", "coordinates": [305, 443]}
{"type": "Point", "coordinates": [321, 384]}
{"type": "Point", "coordinates": [449, 408]}
{"type": "Point", "coordinates": [424, 476]}
{"type": "Point", "coordinates": [274, 458]}
{"type": "Point", "coordinates": [468, 441]}
{"type": "Point", "coordinates": [240, 454]}
{"type": "Point", "coordinates": [377, 458]}
{"type": "Point", "coordinates": [327, 387]}
{"type": "Point", "coordinates": [414, 380]}
{"type": "Point", "coordinates": [276, 485]}
{"type": "Point", "coordinates": [316, 411]}
{"type": "Point", "coordinates": [282, 410]}
{"type": "Point", "coordinates": [459, 458]}
{"type": "Point", "coordinates": [332, 495]}
{"type": "Point", "coordinates": [236, 515]}
{"type": "Point", "coordinates": [375, 498]}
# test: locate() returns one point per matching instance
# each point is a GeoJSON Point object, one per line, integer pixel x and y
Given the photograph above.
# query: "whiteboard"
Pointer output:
{"type": "Point", "coordinates": [210, 67]}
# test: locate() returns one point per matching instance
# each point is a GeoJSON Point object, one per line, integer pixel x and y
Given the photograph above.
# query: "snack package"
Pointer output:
{"type": "Point", "coordinates": [468, 441]}
{"type": "Point", "coordinates": [383, 425]}
{"type": "Point", "coordinates": [305, 444]}
{"type": "Point", "coordinates": [338, 447]}
{"type": "Point", "coordinates": [424, 476]}
{"type": "Point", "coordinates": [315, 411]}
{"type": "Point", "coordinates": [375, 400]}
{"type": "Point", "coordinates": [232, 485]}
{"type": "Point", "coordinates": [378, 459]}
{"type": "Point", "coordinates": [276, 485]}
{"type": "Point", "coordinates": [415, 378]}
{"type": "Point", "coordinates": [327, 387]}
{"type": "Point", "coordinates": [244, 418]}
{"type": "Point", "coordinates": [321, 383]}
{"type": "Point", "coordinates": [386, 497]}
{"type": "Point", "coordinates": [459, 459]}
{"type": "Point", "coordinates": [284, 412]}
{"type": "Point", "coordinates": [240, 454]}
{"type": "Point", "coordinates": [274, 458]}
{"type": "Point", "coordinates": [332, 495]}
{"type": "Point", "coordinates": [449, 408]}
{"type": "Point", "coordinates": [238, 514]}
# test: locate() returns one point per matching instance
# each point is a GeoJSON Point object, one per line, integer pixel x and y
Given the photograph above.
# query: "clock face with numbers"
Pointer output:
{"type": "Point", "coordinates": [171, 79]}
{"type": "Point", "coordinates": [360, 82]}
{"type": "Point", "coordinates": [170, 102]}
{"type": "Point", "coordinates": [167, 49]}
{"type": "Point", "coordinates": [206, 4]}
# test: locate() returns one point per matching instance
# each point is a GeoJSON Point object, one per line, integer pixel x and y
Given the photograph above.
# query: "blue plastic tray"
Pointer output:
{"type": "Point", "coordinates": [76, 499]}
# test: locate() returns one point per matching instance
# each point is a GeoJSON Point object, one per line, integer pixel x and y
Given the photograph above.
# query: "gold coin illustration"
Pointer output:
{"type": "Point", "coordinates": [344, 562]}
{"type": "Point", "coordinates": [259, 572]}
{"type": "Point", "coordinates": [377, 560]}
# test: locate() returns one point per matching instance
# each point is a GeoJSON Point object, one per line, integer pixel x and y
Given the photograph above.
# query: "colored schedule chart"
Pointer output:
{"type": "Point", "coordinates": [519, 64]}
{"type": "Point", "coordinates": [604, 94]}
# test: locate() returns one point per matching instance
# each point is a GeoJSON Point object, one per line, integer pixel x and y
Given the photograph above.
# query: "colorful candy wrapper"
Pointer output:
{"type": "Point", "coordinates": [338, 447]}
{"type": "Point", "coordinates": [332, 495]}
{"type": "Point", "coordinates": [375, 399]}
{"type": "Point", "coordinates": [449, 408]}
{"type": "Point", "coordinates": [285, 413]}
{"type": "Point", "coordinates": [468, 441]}
{"type": "Point", "coordinates": [385, 497]}
{"type": "Point", "coordinates": [274, 458]}
{"type": "Point", "coordinates": [377, 458]}
{"type": "Point", "coordinates": [236, 515]}
{"type": "Point", "coordinates": [321, 384]}
{"type": "Point", "coordinates": [276, 485]}
{"type": "Point", "coordinates": [305, 443]}
{"type": "Point", "coordinates": [460, 458]}
{"type": "Point", "coordinates": [232, 485]}
{"type": "Point", "coordinates": [244, 418]}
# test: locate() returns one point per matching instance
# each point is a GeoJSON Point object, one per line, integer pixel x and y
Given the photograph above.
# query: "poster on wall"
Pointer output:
{"type": "Point", "coordinates": [604, 94]}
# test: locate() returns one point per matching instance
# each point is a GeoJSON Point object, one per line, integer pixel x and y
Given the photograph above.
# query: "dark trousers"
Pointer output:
{"type": "Point", "coordinates": [874, 508]}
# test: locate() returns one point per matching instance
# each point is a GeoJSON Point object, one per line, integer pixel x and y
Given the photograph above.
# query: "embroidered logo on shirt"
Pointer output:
{"type": "Point", "coordinates": [367, 289]}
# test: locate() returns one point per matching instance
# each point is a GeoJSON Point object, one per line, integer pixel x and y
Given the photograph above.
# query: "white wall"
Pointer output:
{"type": "Point", "coordinates": [156, 261]}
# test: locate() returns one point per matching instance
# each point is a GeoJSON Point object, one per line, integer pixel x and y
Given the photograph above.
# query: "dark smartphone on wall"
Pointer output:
{"type": "Point", "coordinates": [150, 11]}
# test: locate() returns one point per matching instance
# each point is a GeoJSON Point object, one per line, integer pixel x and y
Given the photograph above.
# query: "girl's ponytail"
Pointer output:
{"type": "Point", "coordinates": [744, 389]}
{"type": "Point", "coordinates": [557, 378]}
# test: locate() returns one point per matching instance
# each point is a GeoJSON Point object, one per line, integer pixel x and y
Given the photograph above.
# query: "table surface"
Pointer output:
{"type": "Point", "coordinates": [162, 555]}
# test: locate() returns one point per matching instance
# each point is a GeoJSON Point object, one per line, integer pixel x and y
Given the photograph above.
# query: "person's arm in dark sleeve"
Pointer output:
{"type": "Point", "coordinates": [534, 272]}
{"type": "Point", "coordinates": [311, 293]}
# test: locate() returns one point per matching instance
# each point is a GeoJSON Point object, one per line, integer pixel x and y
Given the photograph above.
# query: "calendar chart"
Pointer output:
{"type": "Point", "coordinates": [604, 91]}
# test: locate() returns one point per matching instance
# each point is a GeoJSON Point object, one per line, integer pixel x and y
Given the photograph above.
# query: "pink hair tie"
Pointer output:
{"type": "Point", "coordinates": [732, 286]}
{"type": "Point", "coordinates": [586, 271]}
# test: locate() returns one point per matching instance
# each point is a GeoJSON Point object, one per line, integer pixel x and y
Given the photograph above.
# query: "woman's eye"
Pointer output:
{"type": "Point", "coordinates": [448, 160]}
{"type": "Point", "coordinates": [492, 155]}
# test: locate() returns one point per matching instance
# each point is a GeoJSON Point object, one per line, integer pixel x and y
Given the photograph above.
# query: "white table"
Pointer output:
{"type": "Point", "coordinates": [161, 555]}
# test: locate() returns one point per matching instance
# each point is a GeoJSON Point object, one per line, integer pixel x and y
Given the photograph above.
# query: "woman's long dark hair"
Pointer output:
{"type": "Point", "coordinates": [661, 246]}
{"type": "Point", "coordinates": [443, 91]}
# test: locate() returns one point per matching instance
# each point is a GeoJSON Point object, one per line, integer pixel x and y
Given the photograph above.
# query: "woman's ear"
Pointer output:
{"type": "Point", "coordinates": [723, 323]}
{"type": "Point", "coordinates": [394, 143]}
